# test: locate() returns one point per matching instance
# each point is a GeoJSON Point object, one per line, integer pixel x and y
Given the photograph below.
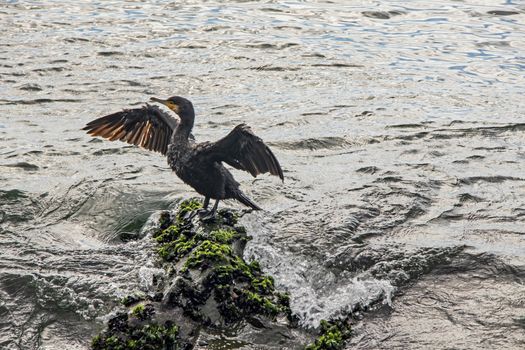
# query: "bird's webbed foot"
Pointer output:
{"type": "Point", "coordinates": [207, 215]}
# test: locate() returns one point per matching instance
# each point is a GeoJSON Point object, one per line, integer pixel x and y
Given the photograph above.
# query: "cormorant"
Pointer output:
{"type": "Point", "coordinates": [197, 164]}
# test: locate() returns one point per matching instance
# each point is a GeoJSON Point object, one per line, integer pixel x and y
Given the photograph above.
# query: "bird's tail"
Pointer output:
{"type": "Point", "coordinates": [241, 197]}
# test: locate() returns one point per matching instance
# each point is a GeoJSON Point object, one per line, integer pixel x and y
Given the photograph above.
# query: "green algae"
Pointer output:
{"type": "Point", "coordinates": [144, 337]}
{"type": "Point", "coordinates": [270, 308]}
{"type": "Point", "coordinates": [255, 294]}
{"type": "Point", "coordinates": [253, 302]}
{"type": "Point", "coordinates": [207, 253]}
{"type": "Point", "coordinates": [234, 268]}
{"type": "Point", "coordinates": [167, 235]}
{"type": "Point", "coordinates": [239, 288]}
{"type": "Point", "coordinates": [332, 337]}
{"type": "Point", "coordinates": [138, 311]}
{"type": "Point", "coordinates": [264, 284]}
{"type": "Point", "coordinates": [187, 206]}
{"type": "Point", "coordinates": [223, 236]}
{"type": "Point", "coordinates": [177, 248]}
{"type": "Point", "coordinates": [143, 311]}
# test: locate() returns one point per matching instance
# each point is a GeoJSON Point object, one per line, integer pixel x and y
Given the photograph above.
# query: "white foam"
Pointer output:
{"type": "Point", "coordinates": [316, 292]}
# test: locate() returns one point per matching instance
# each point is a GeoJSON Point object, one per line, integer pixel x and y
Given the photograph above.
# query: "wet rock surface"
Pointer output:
{"type": "Point", "coordinates": [207, 285]}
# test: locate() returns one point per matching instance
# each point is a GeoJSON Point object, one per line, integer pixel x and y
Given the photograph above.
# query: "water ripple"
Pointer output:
{"type": "Point", "coordinates": [399, 126]}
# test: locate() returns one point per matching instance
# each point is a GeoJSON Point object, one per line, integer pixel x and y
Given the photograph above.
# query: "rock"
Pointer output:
{"type": "Point", "coordinates": [207, 283]}
{"type": "Point", "coordinates": [332, 335]}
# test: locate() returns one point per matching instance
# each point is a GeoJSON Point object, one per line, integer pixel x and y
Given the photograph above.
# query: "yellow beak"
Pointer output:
{"type": "Point", "coordinates": [167, 103]}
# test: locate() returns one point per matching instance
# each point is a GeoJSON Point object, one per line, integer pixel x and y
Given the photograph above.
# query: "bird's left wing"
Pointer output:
{"type": "Point", "coordinates": [148, 127]}
{"type": "Point", "coordinates": [243, 150]}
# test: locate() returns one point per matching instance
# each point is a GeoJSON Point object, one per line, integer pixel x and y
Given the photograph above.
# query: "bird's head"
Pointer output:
{"type": "Point", "coordinates": [177, 104]}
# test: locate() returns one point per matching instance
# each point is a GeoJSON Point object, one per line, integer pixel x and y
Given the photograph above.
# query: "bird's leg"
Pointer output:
{"type": "Point", "coordinates": [211, 215]}
{"type": "Point", "coordinates": [206, 202]}
{"type": "Point", "coordinates": [215, 206]}
{"type": "Point", "coordinates": [204, 210]}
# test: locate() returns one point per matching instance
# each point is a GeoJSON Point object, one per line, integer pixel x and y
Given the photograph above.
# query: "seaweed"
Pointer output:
{"type": "Point", "coordinates": [238, 287]}
{"type": "Point", "coordinates": [207, 253]}
{"type": "Point", "coordinates": [186, 207]}
{"type": "Point", "coordinates": [332, 336]}
{"type": "Point", "coordinates": [143, 337]}
{"type": "Point", "coordinates": [143, 311]}
{"type": "Point", "coordinates": [223, 236]}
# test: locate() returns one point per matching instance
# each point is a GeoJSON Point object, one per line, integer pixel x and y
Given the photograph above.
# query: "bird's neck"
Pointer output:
{"type": "Point", "coordinates": [184, 128]}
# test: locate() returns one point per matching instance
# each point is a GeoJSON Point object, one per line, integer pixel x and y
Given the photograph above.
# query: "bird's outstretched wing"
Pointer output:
{"type": "Point", "coordinates": [243, 150]}
{"type": "Point", "coordinates": [148, 127]}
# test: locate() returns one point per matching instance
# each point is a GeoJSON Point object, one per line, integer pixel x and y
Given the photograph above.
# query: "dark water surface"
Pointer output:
{"type": "Point", "coordinates": [400, 126]}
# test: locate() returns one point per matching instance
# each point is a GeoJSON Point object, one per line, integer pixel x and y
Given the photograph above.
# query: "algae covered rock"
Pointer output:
{"type": "Point", "coordinates": [332, 335]}
{"type": "Point", "coordinates": [207, 288]}
{"type": "Point", "coordinates": [123, 334]}
{"type": "Point", "coordinates": [206, 258]}
{"type": "Point", "coordinates": [209, 296]}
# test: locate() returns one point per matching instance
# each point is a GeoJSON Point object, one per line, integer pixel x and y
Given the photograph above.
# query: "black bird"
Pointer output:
{"type": "Point", "coordinates": [197, 164]}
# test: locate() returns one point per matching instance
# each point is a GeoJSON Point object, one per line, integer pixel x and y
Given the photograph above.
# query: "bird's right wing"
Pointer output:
{"type": "Point", "coordinates": [148, 127]}
{"type": "Point", "coordinates": [243, 150]}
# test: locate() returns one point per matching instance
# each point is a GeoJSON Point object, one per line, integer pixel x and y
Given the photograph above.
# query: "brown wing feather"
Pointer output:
{"type": "Point", "coordinates": [148, 127]}
{"type": "Point", "coordinates": [243, 150]}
